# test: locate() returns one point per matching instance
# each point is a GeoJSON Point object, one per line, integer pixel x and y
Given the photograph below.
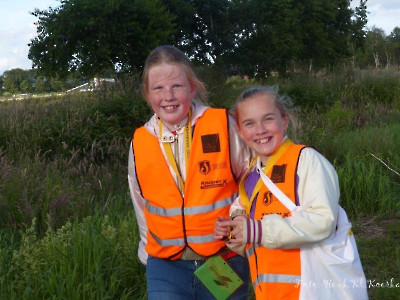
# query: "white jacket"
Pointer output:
{"type": "Point", "coordinates": [318, 192]}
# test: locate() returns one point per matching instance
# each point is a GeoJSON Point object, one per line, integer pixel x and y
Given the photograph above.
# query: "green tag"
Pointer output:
{"type": "Point", "coordinates": [218, 277]}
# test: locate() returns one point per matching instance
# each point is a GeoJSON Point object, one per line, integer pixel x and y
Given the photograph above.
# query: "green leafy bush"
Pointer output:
{"type": "Point", "coordinates": [92, 259]}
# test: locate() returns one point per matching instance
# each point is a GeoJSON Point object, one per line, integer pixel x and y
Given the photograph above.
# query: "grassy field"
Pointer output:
{"type": "Point", "coordinates": [67, 227]}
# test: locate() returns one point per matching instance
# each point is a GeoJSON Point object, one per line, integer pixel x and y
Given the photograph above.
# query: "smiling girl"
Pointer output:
{"type": "Point", "coordinates": [271, 234]}
{"type": "Point", "coordinates": [184, 165]}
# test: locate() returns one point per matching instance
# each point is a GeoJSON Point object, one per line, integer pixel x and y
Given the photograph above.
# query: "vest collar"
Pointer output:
{"type": "Point", "coordinates": [168, 136]}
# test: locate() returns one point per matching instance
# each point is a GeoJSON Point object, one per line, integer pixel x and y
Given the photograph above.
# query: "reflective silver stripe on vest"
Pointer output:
{"type": "Point", "coordinates": [169, 242]}
{"type": "Point", "coordinates": [170, 212]}
{"type": "Point", "coordinates": [251, 250]}
{"type": "Point", "coordinates": [194, 210]}
{"type": "Point", "coordinates": [199, 239]}
{"type": "Point", "coordinates": [177, 211]}
{"type": "Point", "coordinates": [277, 278]}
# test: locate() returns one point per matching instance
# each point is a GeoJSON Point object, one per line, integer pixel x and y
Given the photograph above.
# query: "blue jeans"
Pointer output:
{"type": "Point", "coordinates": [175, 279]}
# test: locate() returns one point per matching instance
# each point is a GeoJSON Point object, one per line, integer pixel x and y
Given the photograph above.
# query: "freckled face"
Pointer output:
{"type": "Point", "coordinates": [169, 93]}
{"type": "Point", "coordinates": [261, 124]}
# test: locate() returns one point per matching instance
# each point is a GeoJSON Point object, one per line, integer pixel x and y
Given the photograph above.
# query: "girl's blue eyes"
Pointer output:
{"type": "Point", "coordinates": [159, 88]}
{"type": "Point", "coordinates": [265, 119]}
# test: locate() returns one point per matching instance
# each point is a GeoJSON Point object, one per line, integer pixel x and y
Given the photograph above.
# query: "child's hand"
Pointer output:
{"type": "Point", "coordinates": [232, 230]}
{"type": "Point", "coordinates": [221, 232]}
{"type": "Point", "coordinates": [236, 229]}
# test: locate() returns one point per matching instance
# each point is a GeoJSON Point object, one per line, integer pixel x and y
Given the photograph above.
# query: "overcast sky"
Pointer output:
{"type": "Point", "coordinates": [17, 28]}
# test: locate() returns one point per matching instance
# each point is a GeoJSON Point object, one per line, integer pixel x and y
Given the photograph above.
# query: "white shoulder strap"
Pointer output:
{"type": "Point", "coordinates": [274, 189]}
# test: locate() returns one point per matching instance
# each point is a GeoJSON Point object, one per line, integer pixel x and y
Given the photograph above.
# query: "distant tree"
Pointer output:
{"type": "Point", "coordinates": [25, 86]}
{"type": "Point", "coordinates": [1, 84]}
{"type": "Point", "coordinates": [204, 29]}
{"type": "Point", "coordinates": [267, 36]}
{"type": "Point", "coordinates": [394, 44]}
{"type": "Point", "coordinates": [56, 85]}
{"type": "Point", "coordinates": [253, 37]}
{"type": "Point", "coordinates": [375, 47]}
{"type": "Point", "coordinates": [357, 37]}
{"type": "Point", "coordinates": [41, 85]}
{"type": "Point", "coordinates": [276, 34]}
{"type": "Point", "coordinates": [10, 86]}
{"type": "Point", "coordinates": [13, 79]}
{"type": "Point", "coordinates": [91, 36]}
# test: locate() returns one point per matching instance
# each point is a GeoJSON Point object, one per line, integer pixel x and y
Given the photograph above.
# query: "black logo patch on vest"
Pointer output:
{"type": "Point", "coordinates": [210, 143]}
{"type": "Point", "coordinates": [278, 173]}
{"type": "Point", "coordinates": [267, 198]}
{"type": "Point", "coordinates": [204, 167]}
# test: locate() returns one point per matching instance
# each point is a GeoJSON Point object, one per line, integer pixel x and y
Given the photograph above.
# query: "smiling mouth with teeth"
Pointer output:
{"type": "Point", "coordinates": [170, 107]}
{"type": "Point", "coordinates": [261, 141]}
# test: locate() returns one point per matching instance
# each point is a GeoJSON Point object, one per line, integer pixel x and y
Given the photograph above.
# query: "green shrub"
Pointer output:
{"type": "Point", "coordinates": [92, 259]}
{"type": "Point", "coordinates": [339, 118]}
{"type": "Point", "coordinates": [382, 140]}
{"type": "Point", "coordinates": [378, 86]}
{"type": "Point", "coordinates": [64, 157]}
{"type": "Point", "coordinates": [366, 187]}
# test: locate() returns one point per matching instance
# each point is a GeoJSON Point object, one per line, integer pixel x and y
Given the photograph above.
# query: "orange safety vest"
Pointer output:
{"type": "Point", "coordinates": [175, 222]}
{"type": "Point", "coordinates": [276, 273]}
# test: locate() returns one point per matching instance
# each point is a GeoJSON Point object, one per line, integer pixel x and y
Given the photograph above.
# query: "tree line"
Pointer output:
{"type": "Point", "coordinates": [81, 39]}
{"type": "Point", "coordinates": [253, 37]}
{"type": "Point", "coordinates": [19, 81]}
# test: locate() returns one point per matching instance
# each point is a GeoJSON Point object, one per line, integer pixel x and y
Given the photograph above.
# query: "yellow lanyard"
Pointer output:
{"type": "Point", "coordinates": [244, 199]}
{"type": "Point", "coordinates": [187, 146]}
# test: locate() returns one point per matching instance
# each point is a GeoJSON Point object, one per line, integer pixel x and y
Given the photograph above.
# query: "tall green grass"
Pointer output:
{"type": "Point", "coordinates": [366, 187]}
{"type": "Point", "coordinates": [64, 157]}
{"type": "Point", "coordinates": [91, 259]}
{"type": "Point", "coordinates": [368, 165]}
